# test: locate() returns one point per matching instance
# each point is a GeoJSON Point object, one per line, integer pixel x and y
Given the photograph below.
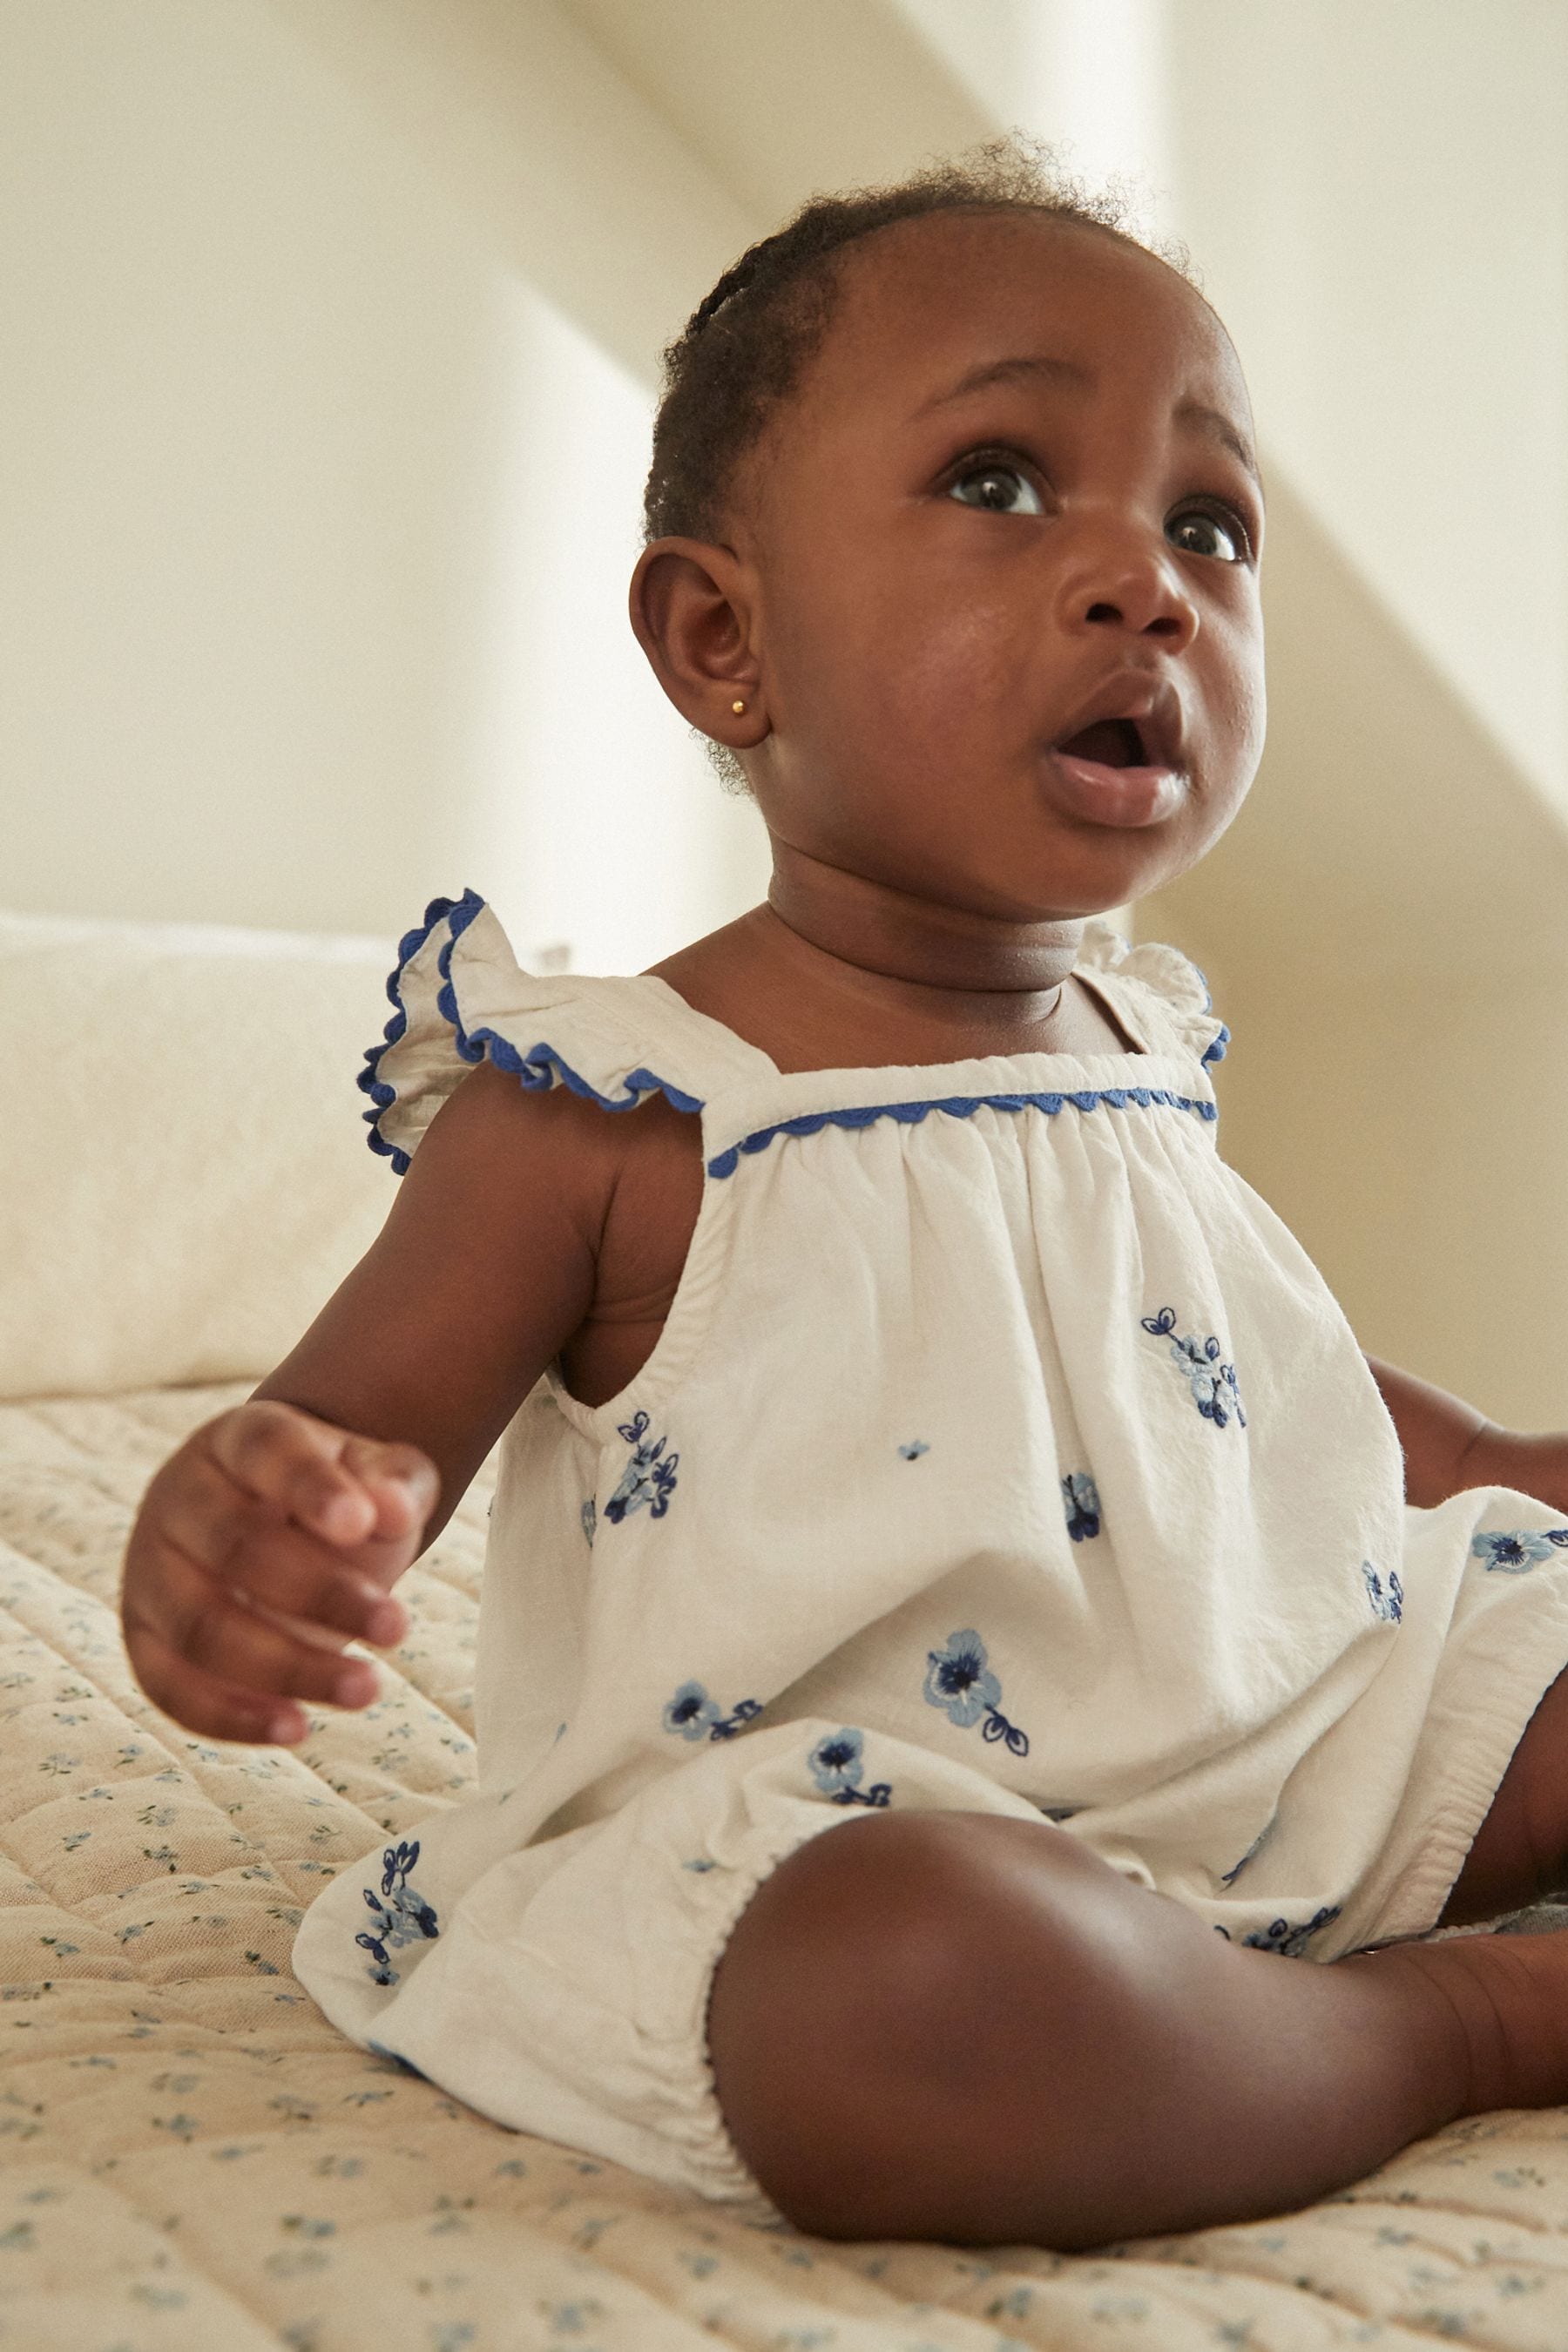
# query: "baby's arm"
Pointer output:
{"type": "Point", "coordinates": [274, 1533]}
{"type": "Point", "coordinates": [1449, 1447]}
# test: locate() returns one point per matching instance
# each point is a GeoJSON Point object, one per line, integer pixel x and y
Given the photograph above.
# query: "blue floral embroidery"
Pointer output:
{"type": "Point", "coordinates": [403, 1919]}
{"type": "Point", "coordinates": [646, 1478]}
{"type": "Point", "coordinates": [590, 1520]}
{"type": "Point", "coordinates": [1291, 1942]}
{"type": "Point", "coordinates": [959, 1681]}
{"type": "Point", "coordinates": [837, 1767]}
{"type": "Point", "coordinates": [693, 1713]}
{"type": "Point", "coordinates": [1198, 1363]}
{"type": "Point", "coordinates": [1389, 1605]}
{"type": "Point", "coordinates": [915, 1448]}
{"type": "Point", "coordinates": [1517, 1553]}
{"type": "Point", "coordinates": [1081, 1499]}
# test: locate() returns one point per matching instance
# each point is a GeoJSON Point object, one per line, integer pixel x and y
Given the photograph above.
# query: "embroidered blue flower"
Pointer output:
{"type": "Point", "coordinates": [401, 1917]}
{"type": "Point", "coordinates": [959, 1681]}
{"type": "Point", "coordinates": [1389, 1605]}
{"type": "Point", "coordinates": [1518, 1552]}
{"type": "Point", "coordinates": [1292, 1942]}
{"type": "Point", "coordinates": [838, 1769]}
{"type": "Point", "coordinates": [1081, 1499]}
{"type": "Point", "coordinates": [1213, 1384]}
{"type": "Point", "coordinates": [646, 1478]}
{"type": "Point", "coordinates": [915, 1449]}
{"type": "Point", "coordinates": [590, 1520]}
{"type": "Point", "coordinates": [695, 1716]}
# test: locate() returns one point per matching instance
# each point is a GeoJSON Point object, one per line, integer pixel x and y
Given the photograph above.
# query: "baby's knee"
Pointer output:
{"type": "Point", "coordinates": [865, 2013]}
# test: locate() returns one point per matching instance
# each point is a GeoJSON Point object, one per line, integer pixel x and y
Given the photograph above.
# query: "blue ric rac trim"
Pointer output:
{"type": "Point", "coordinates": [540, 1067]}
{"type": "Point", "coordinates": [956, 1107]}
{"type": "Point", "coordinates": [1216, 1052]}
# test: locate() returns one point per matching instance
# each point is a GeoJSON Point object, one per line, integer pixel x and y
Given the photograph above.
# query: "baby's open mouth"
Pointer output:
{"type": "Point", "coordinates": [1118, 770]}
{"type": "Point", "coordinates": [1111, 742]}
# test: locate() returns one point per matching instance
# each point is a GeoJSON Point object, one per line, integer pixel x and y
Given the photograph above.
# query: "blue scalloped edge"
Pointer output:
{"type": "Point", "coordinates": [1215, 1052]}
{"type": "Point", "coordinates": [956, 1106]}
{"type": "Point", "coordinates": [540, 1067]}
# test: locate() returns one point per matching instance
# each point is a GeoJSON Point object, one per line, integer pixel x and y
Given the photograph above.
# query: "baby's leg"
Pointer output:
{"type": "Point", "coordinates": [1521, 1851]}
{"type": "Point", "coordinates": [968, 2028]}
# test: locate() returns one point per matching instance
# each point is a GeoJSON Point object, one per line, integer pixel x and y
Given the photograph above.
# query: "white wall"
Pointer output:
{"type": "Point", "coordinates": [319, 511]}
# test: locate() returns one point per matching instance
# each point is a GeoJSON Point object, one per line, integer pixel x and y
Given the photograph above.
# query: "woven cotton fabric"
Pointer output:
{"type": "Point", "coordinates": [1003, 1451]}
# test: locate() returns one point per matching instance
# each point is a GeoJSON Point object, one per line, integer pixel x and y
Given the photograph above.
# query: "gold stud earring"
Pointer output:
{"type": "Point", "coordinates": [737, 708]}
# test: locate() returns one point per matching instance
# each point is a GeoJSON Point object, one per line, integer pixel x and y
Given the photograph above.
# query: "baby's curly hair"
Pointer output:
{"type": "Point", "coordinates": [744, 348]}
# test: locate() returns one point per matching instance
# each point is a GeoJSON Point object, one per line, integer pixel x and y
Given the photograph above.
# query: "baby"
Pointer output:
{"type": "Point", "coordinates": [911, 1426]}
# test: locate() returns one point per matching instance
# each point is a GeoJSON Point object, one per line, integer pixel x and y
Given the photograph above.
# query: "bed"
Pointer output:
{"type": "Point", "coordinates": [190, 2155]}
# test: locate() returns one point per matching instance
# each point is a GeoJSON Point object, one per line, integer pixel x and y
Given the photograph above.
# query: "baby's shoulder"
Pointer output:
{"type": "Point", "coordinates": [628, 1183]}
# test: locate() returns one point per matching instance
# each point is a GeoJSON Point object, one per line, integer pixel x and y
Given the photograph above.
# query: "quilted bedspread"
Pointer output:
{"type": "Point", "coordinates": [193, 2161]}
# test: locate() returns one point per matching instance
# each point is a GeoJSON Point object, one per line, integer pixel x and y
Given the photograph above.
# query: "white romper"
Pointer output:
{"type": "Point", "coordinates": [1002, 1452]}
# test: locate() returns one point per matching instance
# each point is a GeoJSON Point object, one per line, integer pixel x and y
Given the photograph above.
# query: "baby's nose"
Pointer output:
{"type": "Point", "coordinates": [1138, 590]}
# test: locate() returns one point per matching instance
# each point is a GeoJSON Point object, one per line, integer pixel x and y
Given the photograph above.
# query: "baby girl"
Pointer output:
{"type": "Point", "coordinates": [910, 1425]}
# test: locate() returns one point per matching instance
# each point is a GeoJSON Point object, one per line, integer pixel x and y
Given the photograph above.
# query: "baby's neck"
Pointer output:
{"type": "Point", "coordinates": [837, 971]}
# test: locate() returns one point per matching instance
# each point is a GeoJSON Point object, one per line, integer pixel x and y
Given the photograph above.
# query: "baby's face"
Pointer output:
{"type": "Point", "coordinates": [1010, 499]}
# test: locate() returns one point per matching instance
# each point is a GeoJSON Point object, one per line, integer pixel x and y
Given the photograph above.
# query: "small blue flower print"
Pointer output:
{"type": "Point", "coordinates": [1291, 1942]}
{"type": "Point", "coordinates": [1389, 1605]}
{"type": "Point", "coordinates": [915, 1449]}
{"type": "Point", "coordinates": [959, 1681]}
{"type": "Point", "coordinates": [1081, 1499]}
{"type": "Point", "coordinates": [1518, 1552]}
{"type": "Point", "coordinates": [837, 1767]}
{"type": "Point", "coordinates": [1213, 1384]}
{"type": "Point", "coordinates": [590, 1520]}
{"type": "Point", "coordinates": [695, 1716]}
{"type": "Point", "coordinates": [646, 1478]}
{"type": "Point", "coordinates": [401, 1919]}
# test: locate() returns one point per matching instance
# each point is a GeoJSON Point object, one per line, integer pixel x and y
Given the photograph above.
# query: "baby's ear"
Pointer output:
{"type": "Point", "coordinates": [693, 608]}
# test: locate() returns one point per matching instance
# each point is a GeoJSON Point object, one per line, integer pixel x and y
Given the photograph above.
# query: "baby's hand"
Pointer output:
{"type": "Point", "coordinates": [269, 1542]}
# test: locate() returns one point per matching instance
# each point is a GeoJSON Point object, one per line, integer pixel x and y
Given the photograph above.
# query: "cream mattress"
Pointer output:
{"type": "Point", "coordinates": [190, 2157]}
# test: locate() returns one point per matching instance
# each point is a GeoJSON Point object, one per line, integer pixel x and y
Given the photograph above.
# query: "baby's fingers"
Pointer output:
{"type": "Point", "coordinates": [219, 1666]}
{"type": "Point", "coordinates": [346, 1489]}
{"type": "Point", "coordinates": [253, 1551]}
{"type": "Point", "coordinates": [215, 1708]}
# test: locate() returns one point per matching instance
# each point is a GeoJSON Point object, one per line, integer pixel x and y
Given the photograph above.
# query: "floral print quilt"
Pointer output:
{"type": "Point", "coordinates": [193, 2161]}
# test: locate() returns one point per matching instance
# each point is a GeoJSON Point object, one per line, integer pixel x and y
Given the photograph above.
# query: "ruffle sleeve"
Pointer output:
{"type": "Point", "coordinates": [459, 997]}
{"type": "Point", "coordinates": [1161, 981]}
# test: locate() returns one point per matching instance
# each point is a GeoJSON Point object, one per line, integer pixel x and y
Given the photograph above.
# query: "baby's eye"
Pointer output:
{"type": "Point", "coordinates": [1198, 531]}
{"type": "Point", "coordinates": [1000, 489]}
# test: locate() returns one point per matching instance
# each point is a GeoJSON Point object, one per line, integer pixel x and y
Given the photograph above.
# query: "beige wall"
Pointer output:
{"type": "Point", "coordinates": [319, 506]}
{"type": "Point", "coordinates": [341, 320]}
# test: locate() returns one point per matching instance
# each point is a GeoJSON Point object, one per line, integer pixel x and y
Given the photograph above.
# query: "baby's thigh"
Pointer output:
{"type": "Point", "coordinates": [896, 1996]}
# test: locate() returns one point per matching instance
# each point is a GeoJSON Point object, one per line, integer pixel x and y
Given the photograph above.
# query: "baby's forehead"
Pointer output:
{"type": "Point", "coordinates": [916, 300]}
